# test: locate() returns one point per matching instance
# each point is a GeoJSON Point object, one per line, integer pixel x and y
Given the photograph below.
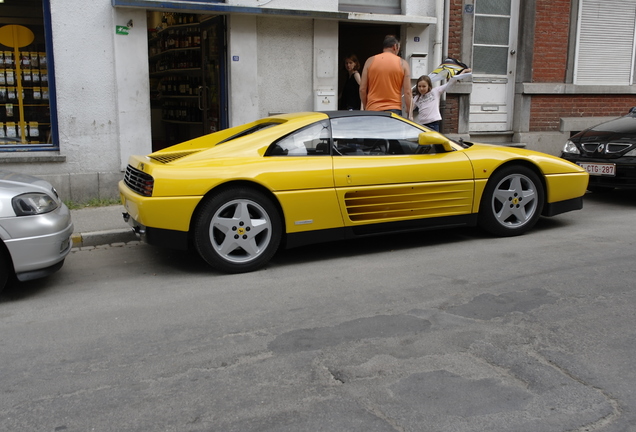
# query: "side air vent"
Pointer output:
{"type": "Point", "coordinates": [412, 202]}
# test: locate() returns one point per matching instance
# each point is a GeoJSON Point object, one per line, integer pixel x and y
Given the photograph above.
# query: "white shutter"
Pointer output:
{"type": "Point", "coordinates": [605, 43]}
{"type": "Point", "coordinates": [371, 6]}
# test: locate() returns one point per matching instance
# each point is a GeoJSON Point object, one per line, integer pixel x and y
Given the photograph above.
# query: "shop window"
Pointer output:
{"type": "Point", "coordinates": [25, 78]}
{"type": "Point", "coordinates": [371, 6]}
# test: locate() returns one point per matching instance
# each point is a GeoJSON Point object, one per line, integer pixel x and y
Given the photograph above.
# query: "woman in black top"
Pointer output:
{"type": "Point", "coordinates": [351, 92]}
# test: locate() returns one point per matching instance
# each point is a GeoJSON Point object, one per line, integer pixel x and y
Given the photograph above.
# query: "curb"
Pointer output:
{"type": "Point", "coordinates": [98, 238]}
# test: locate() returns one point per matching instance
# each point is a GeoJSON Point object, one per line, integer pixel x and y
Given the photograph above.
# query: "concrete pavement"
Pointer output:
{"type": "Point", "coordinates": [95, 226]}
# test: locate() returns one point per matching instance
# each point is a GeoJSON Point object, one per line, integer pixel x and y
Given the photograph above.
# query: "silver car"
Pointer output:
{"type": "Point", "coordinates": [35, 228]}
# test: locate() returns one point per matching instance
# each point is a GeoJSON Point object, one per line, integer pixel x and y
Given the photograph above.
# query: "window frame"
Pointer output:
{"type": "Point", "coordinates": [274, 147]}
{"type": "Point", "coordinates": [391, 7]}
{"type": "Point", "coordinates": [53, 117]}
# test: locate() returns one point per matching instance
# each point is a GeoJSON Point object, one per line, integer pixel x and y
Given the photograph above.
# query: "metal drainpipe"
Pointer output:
{"type": "Point", "coordinates": [440, 28]}
{"type": "Point", "coordinates": [446, 28]}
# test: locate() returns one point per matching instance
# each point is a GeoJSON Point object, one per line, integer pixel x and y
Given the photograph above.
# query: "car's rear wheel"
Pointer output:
{"type": "Point", "coordinates": [237, 230]}
{"type": "Point", "coordinates": [512, 201]}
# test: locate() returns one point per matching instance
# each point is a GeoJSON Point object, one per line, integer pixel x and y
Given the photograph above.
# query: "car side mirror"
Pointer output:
{"type": "Point", "coordinates": [432, 138]}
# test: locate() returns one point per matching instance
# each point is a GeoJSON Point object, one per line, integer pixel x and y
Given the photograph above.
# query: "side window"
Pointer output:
{"type": "Point", "coordinates": [372, 136]}
{"type": "Point", "coordinates": [312, 140]}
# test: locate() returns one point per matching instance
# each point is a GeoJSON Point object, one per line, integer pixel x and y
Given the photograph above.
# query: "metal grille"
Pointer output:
{"type": "Point", "coordinates": [609, 148]}
{"type": "Point", "coordinates": [165, 158]}
{"type": "Point", "coordinates": [617, 148]}
{"type": "Point", "coordinates": [590, 147]}
{"type": "Point", "coordinates": [139, 181]}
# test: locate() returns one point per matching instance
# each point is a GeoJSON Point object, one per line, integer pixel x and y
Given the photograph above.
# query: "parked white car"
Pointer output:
{"type": "Point", "coordinates": [35, 228]}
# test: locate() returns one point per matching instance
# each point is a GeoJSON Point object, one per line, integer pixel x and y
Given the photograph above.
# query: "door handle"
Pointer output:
{"type": "Point", "coordinates": [513, 52]}
{"type": "Point", "coordinates": [200, 94]}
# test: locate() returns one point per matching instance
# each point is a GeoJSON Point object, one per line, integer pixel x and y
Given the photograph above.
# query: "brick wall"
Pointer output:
{"type": "Point", "coordinates": [550, 56]}
{"type": "Point", "coordinates": [546, 110]}
{"type": "Point", "coordinates": [455, 29]}
{"type": "Point", "coordinates": [450, 112]}
{"type": "Point", "coordinates": [552, 27]}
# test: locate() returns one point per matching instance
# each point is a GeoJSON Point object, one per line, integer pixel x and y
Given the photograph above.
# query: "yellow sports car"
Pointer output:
{"type": "Point", "coordinates": [237, 195]}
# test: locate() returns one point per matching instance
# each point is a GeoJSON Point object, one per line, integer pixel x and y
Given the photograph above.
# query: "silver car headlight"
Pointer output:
{"type": "Point", "coordinates": [33, 204]}
{"type": "Point", "coordinates": [630, 153]}
{"type": "Point", "coordinates": [571, 148]}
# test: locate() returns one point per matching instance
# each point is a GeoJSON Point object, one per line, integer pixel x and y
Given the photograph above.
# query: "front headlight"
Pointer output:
{"type": "Point", "coordinates": [33, 203]}
{"type": "Point", "coordinates": [571, 148]}
{"type": "Point", "coordinates": [630, 153]}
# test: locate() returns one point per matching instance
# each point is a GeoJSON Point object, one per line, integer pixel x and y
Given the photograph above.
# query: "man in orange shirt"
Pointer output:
{"type": "Point", "coordinates": [386, 79]}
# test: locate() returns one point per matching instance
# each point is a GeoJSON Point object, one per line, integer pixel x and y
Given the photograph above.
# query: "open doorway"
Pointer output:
{"type": "Point", "coordinates": [363, 40]}
{"type": "Point", "coordinates": [188, 97]}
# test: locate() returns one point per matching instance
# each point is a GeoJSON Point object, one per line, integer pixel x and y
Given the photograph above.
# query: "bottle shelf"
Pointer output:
{"type": "Point", "coordinates": [172, 51]}
{"type": "Point", "coordinates": [184, 71]}
{"type": "Point", "coordinates": [182, 54]}
{"type": "Point", "coordinates": [182, 122]}
{"type": "Point", "coordinates": [171, 96]}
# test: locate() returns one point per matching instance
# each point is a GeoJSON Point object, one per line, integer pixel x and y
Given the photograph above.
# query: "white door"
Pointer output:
{"type": "Point", "coordinates": [494, 49]}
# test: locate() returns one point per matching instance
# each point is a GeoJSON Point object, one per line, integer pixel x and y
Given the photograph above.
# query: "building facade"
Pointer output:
{"type": "Point", "coordinates": [108, 82]}
{"type": "Point", "coordinates": [103, 79]}
{"type": "Point", "coordinates": [543, 69]}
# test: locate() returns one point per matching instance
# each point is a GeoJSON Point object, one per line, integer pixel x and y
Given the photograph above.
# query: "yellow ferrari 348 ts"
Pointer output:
{"type": "Point", "coordinates": [237, 195]}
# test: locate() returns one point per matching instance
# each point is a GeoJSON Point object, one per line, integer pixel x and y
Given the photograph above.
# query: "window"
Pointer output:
{"type": "Point", "coordinates": [605, 42]}
{"type": "Point", "coordinates": [491, 37]}
{"type": "Point", "coordinates": [25, 77]}
{"type": "Point", "coordinates": [371, 6]}
{"type": "Point", "coordinates": [312, 140]}
{"type": "Point", "coordinates": [375, 136]}
{"type": "Point", "coordinates": [249, 131]}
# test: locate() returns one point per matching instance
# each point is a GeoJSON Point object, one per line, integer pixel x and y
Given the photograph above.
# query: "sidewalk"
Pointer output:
{"type": "Point", "coordinates": [95, 226]}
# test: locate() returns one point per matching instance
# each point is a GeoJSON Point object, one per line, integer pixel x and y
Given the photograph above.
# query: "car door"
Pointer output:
{"type": "Point", "coordinates": [381, 174]}
{"type": "Point", "coordinates": [299, 172]}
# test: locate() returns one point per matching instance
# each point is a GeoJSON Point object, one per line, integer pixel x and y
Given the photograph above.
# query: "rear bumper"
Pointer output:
{"type": "Point", "coordinates": [157, 236]}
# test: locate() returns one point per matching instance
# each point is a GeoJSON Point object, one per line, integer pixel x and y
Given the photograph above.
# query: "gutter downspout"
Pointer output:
{"type": "Point", "coordinates": [440, 29]}
{"type": "Point", "coordinates": [446, 27]}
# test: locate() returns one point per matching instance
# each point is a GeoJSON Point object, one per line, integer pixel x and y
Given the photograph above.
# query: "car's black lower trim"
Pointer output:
{"type": "Point", "coordinates": [553, 209]}
{"type": "Point", "coordinates": [415, 225]}
{"type": "Point", "coordinates": [322, 236]}
{"type": "Point", "coordinates": [40, 273]}
{"type": "Point", "coordinates": [166, 238]}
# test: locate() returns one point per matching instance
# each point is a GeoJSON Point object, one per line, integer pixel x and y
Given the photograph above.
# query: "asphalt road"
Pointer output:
{"type": "Point", "coordinates": [435, 331]}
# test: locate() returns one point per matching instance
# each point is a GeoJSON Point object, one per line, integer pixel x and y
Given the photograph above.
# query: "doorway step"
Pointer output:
{"type": "Point", "coordinates": [503, 138]}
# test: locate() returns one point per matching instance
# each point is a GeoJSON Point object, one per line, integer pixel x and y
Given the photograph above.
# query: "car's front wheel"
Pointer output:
{"type": "Point", "coordinates": [5, 267]}
{"type": "Point", "coordinates": [512, 201]}
{"type": "Point", "coordinates": [237, 230]}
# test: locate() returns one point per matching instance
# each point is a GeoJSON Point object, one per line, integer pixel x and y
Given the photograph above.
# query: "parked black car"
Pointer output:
{"type": "Point", "coordinates": [608, 152]}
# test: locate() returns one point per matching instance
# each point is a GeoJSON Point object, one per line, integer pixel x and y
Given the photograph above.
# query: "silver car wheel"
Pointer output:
{"type": "Point", "coordinates": [514, 201]}
{"type": "Point", "coordinates": [240, 231]}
